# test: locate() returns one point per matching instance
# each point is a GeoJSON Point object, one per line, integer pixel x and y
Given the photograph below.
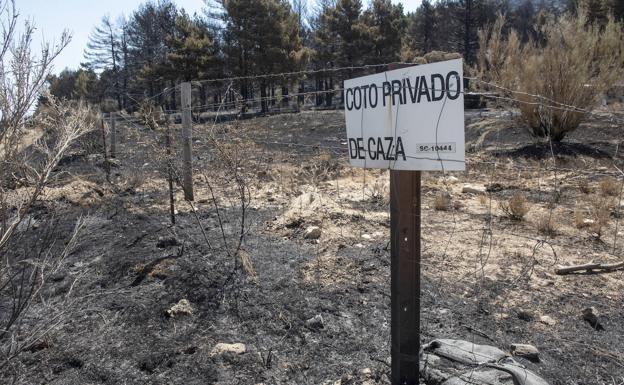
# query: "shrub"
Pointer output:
{"type": "Point", "coordinates": [442, 201]}
{"type": "Point", "coordinates": [555, 79]}
{"type": "Point", "coordinates": [546, 224]}
{"type": "Point", "coordinates": [609, 187]}
{"type": "Point", "coordinates": [516, 207]}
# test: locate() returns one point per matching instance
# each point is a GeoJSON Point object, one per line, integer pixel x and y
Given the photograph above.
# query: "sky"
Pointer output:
{"type": "Point", "coordinates": [80, 17]}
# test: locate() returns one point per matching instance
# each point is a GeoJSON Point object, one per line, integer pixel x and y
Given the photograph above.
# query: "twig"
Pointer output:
{"type": "Point", "coordinates": [590, 268]}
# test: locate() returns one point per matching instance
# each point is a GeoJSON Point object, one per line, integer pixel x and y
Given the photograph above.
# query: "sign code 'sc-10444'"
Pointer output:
{"type": "Point", "coordinates": [407, 119]}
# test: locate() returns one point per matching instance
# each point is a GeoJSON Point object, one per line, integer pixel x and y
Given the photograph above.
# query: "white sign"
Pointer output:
{"type": "Point", "coordinates": [407, 119]}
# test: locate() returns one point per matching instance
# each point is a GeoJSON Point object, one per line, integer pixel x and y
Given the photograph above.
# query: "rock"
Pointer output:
{"type": "Point", "coordinates": [525, 315]}
{"type": "Point", "coordinates": [58, 276]}
{"type": "Point", "coordinates": [547, 320]}
{"type": "Point", "coordinates": [529, 352]}
{"type": "Point", "coordinates": [366, 372]}
{"type": "Point", "coordinates": [452, 179]}
{"type": "Point", "coordinates": [221, 348]}
{"type": "Point", "coordinates": [494, 187]}
{"type": "Point", "coordinates": [590, 316]}
{"type": "Point", "coordinates": [312, 232]}
{"type": "Point", "coordinates": [315, 323]}
{"type": "Point", "coordinates": [165, 242]}
{"type": "Point", "coordinates": [473, 189]}
{"type": "Point", "coordinates": [183, 307]}
{"type": "Point", "coordinates": [366, 236]}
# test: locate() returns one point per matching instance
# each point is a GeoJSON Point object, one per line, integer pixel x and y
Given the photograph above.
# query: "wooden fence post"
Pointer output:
{"type": "Point", "coordinates": [405, 210]}
{"type": "Point", "coordinates": [107, 165]}
{"type": "Point", "coordinates": [187, 141]}
{"type": "Point", "coordinates": [113, 136]}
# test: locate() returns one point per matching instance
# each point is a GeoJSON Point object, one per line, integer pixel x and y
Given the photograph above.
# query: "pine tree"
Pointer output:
{"type": "Point", "coordinates": [147, 30]}
{"type": "Point", "coordinates": [190, 55]}
{"type": "Point", "coordinates": [421, 30]}
{"type": "Point", "coordinates": [616, 8]}
{"type": "Point", "coordinates": [596, 11]}
{"type": "Point", "coordinates": [102, 53]}
{"type": "Point", "coordinates": [260, 37]}
{"type": "Point", "coordinates": [386, 26]}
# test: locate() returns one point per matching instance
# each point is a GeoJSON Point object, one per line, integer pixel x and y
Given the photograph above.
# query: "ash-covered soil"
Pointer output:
{"type": "Point", "coordinates": [317, 310]}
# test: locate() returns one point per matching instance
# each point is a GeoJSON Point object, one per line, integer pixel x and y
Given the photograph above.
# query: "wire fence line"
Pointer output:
{"type": "Point", "coordinates": [465, 246]}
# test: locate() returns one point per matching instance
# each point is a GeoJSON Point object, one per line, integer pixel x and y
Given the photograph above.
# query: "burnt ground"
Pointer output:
{"type": "Point", "coordinates": [485, 277]}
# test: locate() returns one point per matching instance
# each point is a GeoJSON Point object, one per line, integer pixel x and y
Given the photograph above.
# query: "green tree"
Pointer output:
{"type": "Point", "coordinates": [386, 26]}
{"type": "Point", "coordinates": [191, 53]}
{"type": "Point", "coordinates": [74, 85]}
{"type": "Point", "coordinates": [260, 37]}
{"type": "Point", "coordinates": [421, 29]}
{"type": "Point", "coordinates": [147, 31]}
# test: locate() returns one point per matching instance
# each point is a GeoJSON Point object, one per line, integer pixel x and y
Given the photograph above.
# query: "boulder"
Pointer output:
{"type": "Point", "coordinates": [312, 232]}
{"type": "Point", "coordinates": [183, 307]}
{"type": "Point", "coordinates": [529, 352]}
{"type": "Point", "coordinates": [222, 348]}
{"type": "Point", "coordinates": [473, 189]}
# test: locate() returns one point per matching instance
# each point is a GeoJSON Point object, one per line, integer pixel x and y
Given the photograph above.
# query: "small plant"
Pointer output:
{"type": "Point", "coordinates": [609, 187]}
{"type": "Point", "coordinates": [584, 186]}
{"type": "Point", "coordinates": [442, 201]}
{"type": "Point", "coordinates": [516, 207]}
{"type": "Point", "coordinates": [546, 224]}
{"type": "Point", "coordinates": [600, 212]}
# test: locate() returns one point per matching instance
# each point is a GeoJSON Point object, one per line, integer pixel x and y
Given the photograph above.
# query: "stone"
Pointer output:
{"type": "Point", "coordinates": [165, 242]}
{"type": "Point", "coordinates": [473, 189]}
{"type": "Point", "coordinates": [547, 320]}
{"type": "Point", "coordinates": [525, 315]}
{"type": "Point", "coordinates": [590, 315]}
{"type": "Point", "coordinates": [222, 348]}
{"type": "Point", "coordinates": [183, 307]}
{"type": "Point", "coordinates": [312, 232]}
{"type": "Point", "coordinates": [527, 351]}
{"type": "Point", "coordinates": [315, 323]}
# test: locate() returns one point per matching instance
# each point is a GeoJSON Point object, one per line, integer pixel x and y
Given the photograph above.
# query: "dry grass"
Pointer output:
{"type": "Point", "coordinates": [516, 207]}
{"type": "Point", "coordinates": [442, 201]}
{"type": "Point", "coordinates": [546, 223]}
{"type": "Point", "coordinates": [584, 186]}
{"type": "Point", "coordinates": [609, 187]}
{"type": "Point", "coordinates": [554, 80]}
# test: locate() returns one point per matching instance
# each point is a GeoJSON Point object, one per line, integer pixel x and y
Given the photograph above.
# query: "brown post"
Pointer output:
{"type": "Point", "coordinates": [187, 141]}
{"type": "Point", "coordinates": [107, 165]}
{"type": "Point", "coordinates": [170, 172]}
{"type": "Point", "coordinates": [113, 136]}
{"type": "Point", "coordinates": [405, 205]}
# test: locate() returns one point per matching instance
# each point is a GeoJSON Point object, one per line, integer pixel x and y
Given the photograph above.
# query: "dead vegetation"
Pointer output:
{"type": "Point", "coordinates": [516, 207]}
{"type": "Point", "coordinates": [555, 79]}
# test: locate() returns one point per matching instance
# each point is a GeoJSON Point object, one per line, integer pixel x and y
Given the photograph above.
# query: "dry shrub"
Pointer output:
{"type": "Point", "coordinates": [379, 192]}
{"type": "Point", "coordinates": [584, 186]}
{"type": "Point", "coordinates": [580, 219]}
{"type": "Point", "coordinates": [609, 187]}
{"type": "Point", "coordinates": [554, 80]}
{"type": "Point", "coordinates": [546, 223]}
{"type": "Point", "coordinates": [516, 207]}
{"type": "Point", "coordinates": [320, 168]}
{"type": "Point", "coordinates": [442, 201]}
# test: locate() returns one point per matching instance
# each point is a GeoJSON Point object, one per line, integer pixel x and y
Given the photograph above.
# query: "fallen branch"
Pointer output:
{"type": "Point", "coordinates": [590, 268]}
